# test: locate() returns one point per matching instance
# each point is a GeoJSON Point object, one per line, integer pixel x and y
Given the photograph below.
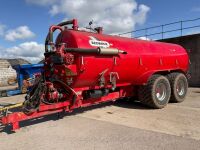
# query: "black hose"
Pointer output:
{"type": "Point", "coordinates": [75, 96]}
{"type": "Point", "coordinates": [49, 38]}
{"type": "Point", "coordinates": [65, 23]}
{"type": "Point", "coordinates": [33, 97]}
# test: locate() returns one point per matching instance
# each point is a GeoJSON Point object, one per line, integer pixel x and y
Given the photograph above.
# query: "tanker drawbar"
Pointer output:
{"type": "Point", "coordinates": [84, 68]}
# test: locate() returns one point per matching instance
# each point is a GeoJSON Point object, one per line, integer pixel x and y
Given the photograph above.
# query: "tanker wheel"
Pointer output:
{"type": "Point", "coordinates": [156, 93]}
{"type": "Point", "coordinates": [179, 87]}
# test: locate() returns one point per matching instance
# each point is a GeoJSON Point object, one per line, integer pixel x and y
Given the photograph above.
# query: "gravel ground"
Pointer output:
{"type": "Point", "coordinates": [119, 125]}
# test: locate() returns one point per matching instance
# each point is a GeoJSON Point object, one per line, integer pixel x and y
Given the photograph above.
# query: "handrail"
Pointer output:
{"type": "Point", "coordinates": [162, 27]}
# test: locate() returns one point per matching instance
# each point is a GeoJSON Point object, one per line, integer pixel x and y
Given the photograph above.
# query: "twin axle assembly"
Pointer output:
{"type": "Point", "coordinates": [85, 68]}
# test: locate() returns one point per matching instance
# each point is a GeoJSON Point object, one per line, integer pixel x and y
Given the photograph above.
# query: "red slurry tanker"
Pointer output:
{"type": "Point", "coordinates": [85, 68]}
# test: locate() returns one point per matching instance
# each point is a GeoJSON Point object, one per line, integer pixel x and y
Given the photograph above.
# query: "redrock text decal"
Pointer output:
{"type": "Point", "coordinates": [97, 43]}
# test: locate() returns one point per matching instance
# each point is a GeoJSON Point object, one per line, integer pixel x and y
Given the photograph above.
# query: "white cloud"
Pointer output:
{"type": "Point", "coordinates": [144, 38]}
{"type": "Point", "coordinates": [21, 32]}
{"type": "Point", "coordinates": [115, 16]}
{"type": "Point", "coordinates": [31, 51]}
{"type": "Point", "coordinates": [128, 35]}
{"type": "Point", "coordinates": [2, 29]}
{"type": "Point", "coordinates": [141, 14]}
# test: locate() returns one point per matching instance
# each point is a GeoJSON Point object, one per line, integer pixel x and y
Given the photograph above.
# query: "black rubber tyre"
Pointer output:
{"type": "Point", "coordinates": [179, 87]}
{"type": "Point", "coordinates": [149, 94]}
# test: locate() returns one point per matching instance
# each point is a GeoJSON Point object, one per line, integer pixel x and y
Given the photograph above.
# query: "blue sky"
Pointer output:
{"type": "Point", "coordinates": [35, 16]}
{"type": "Point", "coordinates": [165, 11]}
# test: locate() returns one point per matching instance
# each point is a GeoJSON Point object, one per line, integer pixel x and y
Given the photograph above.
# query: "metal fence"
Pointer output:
{"type": "Point", "coordinates": [169, 30]}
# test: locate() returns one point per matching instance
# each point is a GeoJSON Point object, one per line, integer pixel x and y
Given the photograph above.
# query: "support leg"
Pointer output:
{"type": "Point", "coordinates": [15, 126]}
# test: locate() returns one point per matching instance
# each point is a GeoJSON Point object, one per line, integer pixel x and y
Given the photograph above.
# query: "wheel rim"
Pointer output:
{"type": "Point", "coordinates": [180, 88]}
{"type": "Point", "coordinates": [161, 91]}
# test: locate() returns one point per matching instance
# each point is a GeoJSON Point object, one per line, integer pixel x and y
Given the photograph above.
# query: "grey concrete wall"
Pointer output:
{"type": "Point", "coordinates": [192, 44]}
{"type": "Point", "coordinates": [7, 74]}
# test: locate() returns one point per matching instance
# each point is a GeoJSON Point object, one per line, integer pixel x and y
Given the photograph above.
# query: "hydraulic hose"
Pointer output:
{"type": "Point", "coordinates": [49, 37]}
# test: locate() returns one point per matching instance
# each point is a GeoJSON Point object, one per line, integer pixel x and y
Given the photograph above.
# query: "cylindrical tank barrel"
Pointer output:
{"type": "Point", "coordinates": [104, 54]}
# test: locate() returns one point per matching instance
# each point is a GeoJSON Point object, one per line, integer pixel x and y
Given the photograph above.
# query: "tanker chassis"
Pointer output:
{"type": "Point", "coordinates": [84, 68]}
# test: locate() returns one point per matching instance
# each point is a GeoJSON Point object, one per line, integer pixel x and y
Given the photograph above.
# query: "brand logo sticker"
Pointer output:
{"type": "Point", "coordinates": [97, 43]}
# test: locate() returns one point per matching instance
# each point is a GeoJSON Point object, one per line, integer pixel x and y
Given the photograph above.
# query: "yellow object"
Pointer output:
{"type": "Point", "coordinates": [12, 106]}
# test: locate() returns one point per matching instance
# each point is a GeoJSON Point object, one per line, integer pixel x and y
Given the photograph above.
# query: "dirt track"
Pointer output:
{"type": "Point", "coordinates": [122, 125]}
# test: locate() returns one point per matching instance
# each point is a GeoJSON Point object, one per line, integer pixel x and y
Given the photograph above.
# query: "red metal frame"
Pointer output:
{"type": "Point", "coordinates": [16, 117]}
